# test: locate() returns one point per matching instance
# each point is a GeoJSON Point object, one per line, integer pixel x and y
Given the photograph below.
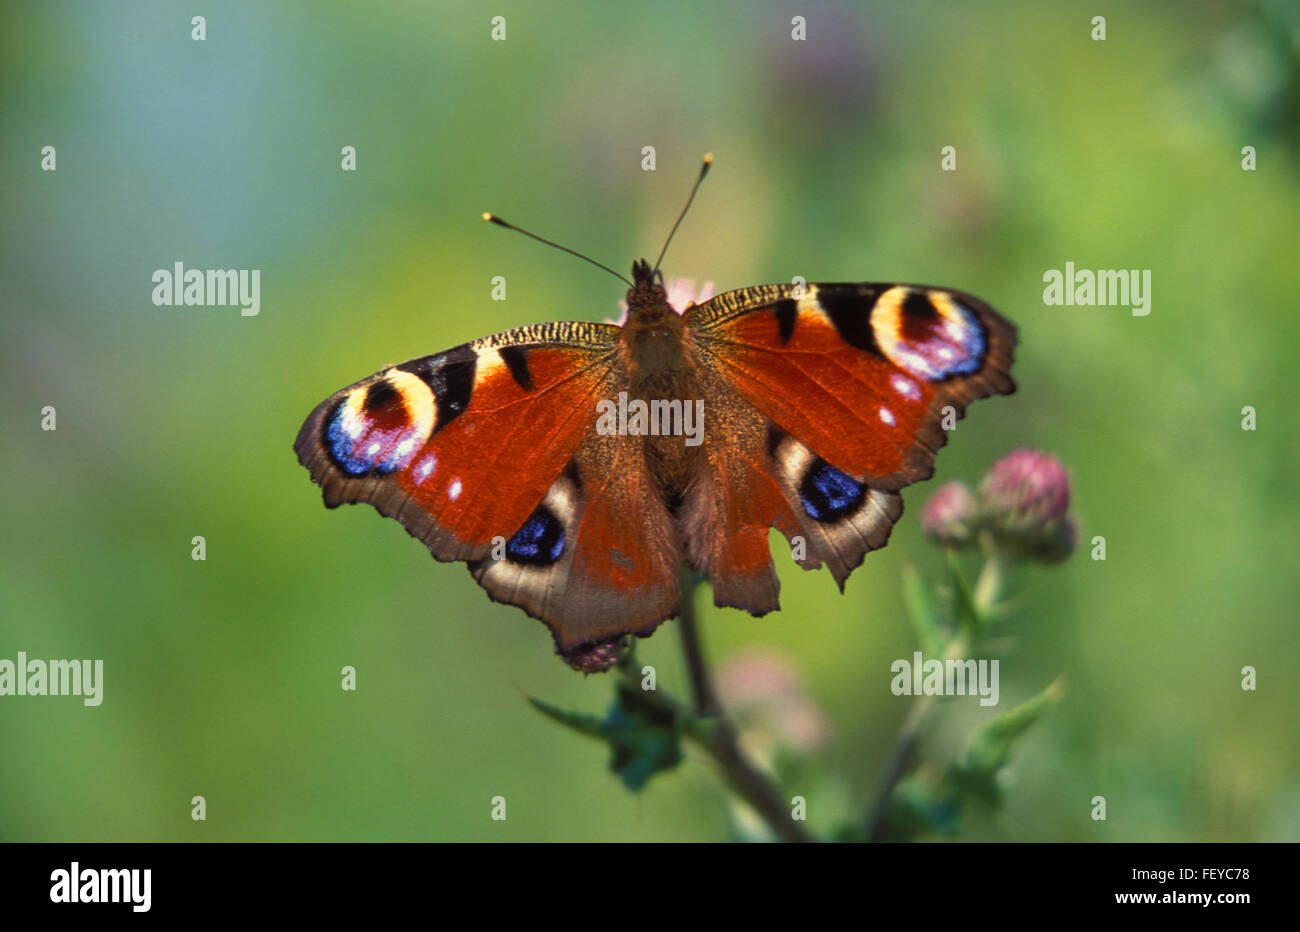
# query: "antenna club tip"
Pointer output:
{"type": "Point", "coordinates": [708, 158]}
{"type": "Point", "coordinates": [488, 216]}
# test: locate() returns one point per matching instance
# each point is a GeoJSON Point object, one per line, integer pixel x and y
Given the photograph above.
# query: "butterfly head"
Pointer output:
{"type": "Point", "coordinates": [647, 291]}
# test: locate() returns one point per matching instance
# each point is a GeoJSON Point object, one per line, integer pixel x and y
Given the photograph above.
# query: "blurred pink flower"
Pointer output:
{"type": "Point", "coordinates": [950, 515]}
{"type": "Point", "coordinates": [596, 658]}
{"type": "Point", "coordinates": [1024, 490]}
{"type": "Point", "coordinates": [682, 293]}
{"type": "Point", "coordinates": [1025, 500]}
{"type": "Point", "coordinates": [763, 692]}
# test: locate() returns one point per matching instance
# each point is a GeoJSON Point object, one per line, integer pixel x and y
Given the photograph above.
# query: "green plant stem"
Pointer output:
{"type": "Point", "coordinates": [706, 700]}
{"type": "Point", "coordinates": [718, 738]}
{"type": "Point", "coordinates": [714, 733]}
{"type": "Point", "coordinates": [988, 589]}
{"type": "Point", "coordinates": [989, 584]}
{"type": "Point", "coordinates": [900, 757]}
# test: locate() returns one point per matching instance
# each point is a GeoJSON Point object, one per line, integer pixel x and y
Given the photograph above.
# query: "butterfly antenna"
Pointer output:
{"type": "Point", "coordinates": [493, 218]}
{"type": "Point", "coordinates": [704, 170]}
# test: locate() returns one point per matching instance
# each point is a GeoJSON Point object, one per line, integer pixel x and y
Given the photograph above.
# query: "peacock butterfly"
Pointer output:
{"type": "Point", "coordinates": [546, 459]}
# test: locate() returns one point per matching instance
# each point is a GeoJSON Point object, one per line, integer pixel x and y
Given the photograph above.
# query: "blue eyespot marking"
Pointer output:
{"type": "Point", "coordinates": [828, 494]}
{"type": "Point", "coordinates": [539, 542]}
{"type": "Point", "coordinates": [943, 345]}
{"type": "Point", "coordinates": [360, 444]}
{"type": "Point", "coordinates": [968, 334]}
{"type": "Point", "coordinates": [355, 450]}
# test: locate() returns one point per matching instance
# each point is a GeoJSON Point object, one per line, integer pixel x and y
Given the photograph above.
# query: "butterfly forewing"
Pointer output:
{"type": "Point", "coordinates": [860, 373]}
{"type": "Point", "coordinates": [463, 445]}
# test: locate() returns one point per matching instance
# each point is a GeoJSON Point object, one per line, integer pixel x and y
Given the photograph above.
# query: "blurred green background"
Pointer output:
{"type": "Point", "coordinates": [222, 677]}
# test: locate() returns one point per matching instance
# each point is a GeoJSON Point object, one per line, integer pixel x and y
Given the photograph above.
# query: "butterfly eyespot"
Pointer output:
{"type": "Point", "coordinates": [927, 334]}
{"type": "Point", "coordinates": [539, 542]}
{"type": "Point", "coordinates": [379, 394]}
{"type": "Point", "coordinates": [376, 429]}
{"type": "Point", "coordinates": [917, 306]}
{"type": "Point", "coordinates": [829, 494]}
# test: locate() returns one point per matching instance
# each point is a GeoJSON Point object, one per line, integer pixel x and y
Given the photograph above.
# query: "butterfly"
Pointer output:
{"type": "Point", "coordinates": [556, 459]}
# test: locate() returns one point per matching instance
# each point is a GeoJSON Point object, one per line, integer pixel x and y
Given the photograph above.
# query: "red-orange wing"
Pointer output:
{"type": "Point", "coordinates": [488, 454]}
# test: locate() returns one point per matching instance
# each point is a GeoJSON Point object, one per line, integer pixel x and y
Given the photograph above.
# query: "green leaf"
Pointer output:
{"type": "Point", "coordinates": [969, 617]}
{"type": "Point", "coordinates": [583, 724]}
{"type": "Point", "coordinates": [642, 733]}
{"type": "Point", "coordinates": [916, 808]}
{"type": "Point", "coordinates": [921, 611]}
{"type": "Point", "coordinates": [976, 769]}
{"type": "Point", "coordinates": [643, 736]}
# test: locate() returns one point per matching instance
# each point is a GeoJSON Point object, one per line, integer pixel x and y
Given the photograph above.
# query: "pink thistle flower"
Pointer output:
{"type": "Point", "coordinates": [950, 516]}
{"type": "Point", "coordinates": [1024, 490]}
{"type": "Point", "coordinates": [1025, 500]}
{"type": "Point", "coordinates": [596, 658]}
{"type": "Point", "coordinates": [762, 689]}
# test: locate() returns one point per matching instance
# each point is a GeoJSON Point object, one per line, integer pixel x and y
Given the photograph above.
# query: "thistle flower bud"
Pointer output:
{"type": "Point", "coordinates": [950, 515]}
{"type": "Point", "coordinates": [597, 657]}
{"type": "Point", "coordinates": [1025, 496]}
{"type": "Point", "coordinates": [1057, 541]}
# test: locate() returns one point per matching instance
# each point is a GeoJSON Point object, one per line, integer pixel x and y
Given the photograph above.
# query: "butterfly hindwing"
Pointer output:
{"type": "Point", "coordinates": [599, 557]}
{"type": "Point", "coordinates": [758, 477]}
{"type": "Point", "coordinates": [847, 385]}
